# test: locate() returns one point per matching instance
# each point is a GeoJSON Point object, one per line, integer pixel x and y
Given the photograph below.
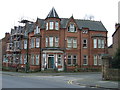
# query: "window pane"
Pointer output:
{"type": "Point", "coordinates": [56, 25]}
{"type": "Point", "coordinates": [37, 59]}
{"type": "Point", "coordinates": [47, 26]}
{"type": "Point", "coordinates": [69, 59]}
{"type": "Point", "coordinates": [85, 62]}
{"type": "Point", "coordinates": [20, 59]}
{"type": "Point", "coordinates": [25, 44]}
{"type": "Point", "coordinates": [71, 27]}
{"type": "Point", "coordinates": [46, 41]}
{"type": "Point", "coordinates": [32, 59]}
{"type": "Point", "coordinates": [37, 42]}
{"type": "Point", "coordinates": [99, 59]}
{"type": "Point", "coordinates": [95, 43]}
{"type": "Point", "coordinates": [25, 59]}
{"type": "Point", "coordinates": [69, 42]}
{"type": "Point", "coordinates": [51, 25]}
{"type": "Point", "coordinates": [56, 41]}
{"type": "Point", "coordinates": [59, 60]}
{"type": "Point", "coordinates": [32, 43]}
{"type": "Point", "coordinates": [37, 30]}
{"type": "Point", "coordinates": [103, 44]}
{"type": "Point", "coordinates": [74, 43]}
{"type": "Point", "coordinates": [99, 43]}
{"type": "Point", "coordinates": [51, 41]}
{"type": "Point", "coordinates": [95, 59]}
{"type": "Point", "coordinates": [74, 59]}
{"type": "Point", "coordinates": [84, 43]}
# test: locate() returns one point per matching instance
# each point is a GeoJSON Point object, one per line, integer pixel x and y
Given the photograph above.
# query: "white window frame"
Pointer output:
{"type": "Point", "coordinates": [37, 59]}
{"type": "Point", "coordinates": [25, 59]}
{"type": "Point", "coordinates": [95, 59]}
{"type": "Point", "coordinates": [56, 41]}
{"type": "Point", "coordinates": [51, 25]}
{"type": "Point", "coordinates": [95, 43]}
{"type": "Point", "coordinates": [74, 59]}
{"type": "Point", "coordinates": [37, 42]}
{"type": "Point", "coordinates": [85, 43]}
{"type": "Point", "coordinates": [99, 59]}
{"type": "Point", "coordinates": [59, 59]}
{"type": "Point", "coordinates": [32, 43]}
{"type": "Point", "coordinates": [47, 26]}
{"type": "Point", "coordinates": [74, 43]}
{"type": "Point", "coordinates": [46, 40]}
{"type": "Point", "coordinates": [85, 59]}
{"type": "Point", "coordinates": [99, 43]}
{"type": "Point", "coordinates": [69, 59]}
{"type": "Point", "coordinates": [21, 59]}
{"type": "Point", "coordinates": [32, 59]}
{"type": "Point", "coordinates": [69, 42]}
{"type": "Point", "coordinates": [72, 28]}
{"type": "Point", "coordinates": [56, 25]}
{"type": "Point", "coordinates": [25, 44]}
{"type": "Point", "coordinates": [103, 43]}
{"type": "Point", "coordinates": [50, 41]}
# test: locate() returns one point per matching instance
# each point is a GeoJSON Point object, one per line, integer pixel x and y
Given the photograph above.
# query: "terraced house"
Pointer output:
{"type": "Point", "coordinates": [56, 43]}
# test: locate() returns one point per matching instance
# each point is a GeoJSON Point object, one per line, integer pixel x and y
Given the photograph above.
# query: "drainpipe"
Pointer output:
{"type": "Point", "coordinates": [27, 63]}
{"type": "Point", "coordinates": [40, 52]}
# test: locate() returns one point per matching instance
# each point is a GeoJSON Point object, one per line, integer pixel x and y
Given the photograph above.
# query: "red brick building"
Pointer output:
{"type": "Point", "coordinates": [116, 40]}
{"type": "Point", "coordinates": [62, 43]}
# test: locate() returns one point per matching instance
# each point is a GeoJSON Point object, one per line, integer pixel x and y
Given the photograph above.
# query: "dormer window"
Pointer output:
{"type": "Point", "coordinates": [85, 32]}
{"type": "Point", "coordinates": [72, 28]}
{"type": "Point", "coordinates": [51, 25]}
{"type": "Point", "coordinates": [37, 30]}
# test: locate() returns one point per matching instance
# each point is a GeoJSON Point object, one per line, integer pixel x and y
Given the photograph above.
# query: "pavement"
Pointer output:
{"type": "Point", "coordinates": [87, 79]}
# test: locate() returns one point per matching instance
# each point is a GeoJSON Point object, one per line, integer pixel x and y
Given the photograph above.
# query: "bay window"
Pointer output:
{"type": "Point", "coordinates": [25, 44]}
{"type": "Point", "coordinates": [56, 25]}
{"type": "Point", "coordinates": [95, 43]}
{"type": "Point", "coordinates": [51, 25]}
{"type": "Point", "coordinates": [46, 42]}
{"type": "Point", "coordinates": [37, 42]}
{"type": "Point", "coordinates": [51, 41]}
{"type": "Point", "coordinates": [56, 41]}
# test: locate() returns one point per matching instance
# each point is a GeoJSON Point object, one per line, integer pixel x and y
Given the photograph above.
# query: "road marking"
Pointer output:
{"type": "Point", "coordinates": [70, 82]}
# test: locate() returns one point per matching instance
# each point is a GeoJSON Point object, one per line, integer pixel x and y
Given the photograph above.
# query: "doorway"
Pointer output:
{"type": "Point", "coordinates": [51, 61]}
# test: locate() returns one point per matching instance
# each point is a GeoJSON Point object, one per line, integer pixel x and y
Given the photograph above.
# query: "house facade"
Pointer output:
{"type": "Point", "coordinates": [116, 40]}
{"type": "Point", "coordinates": [61, 43]}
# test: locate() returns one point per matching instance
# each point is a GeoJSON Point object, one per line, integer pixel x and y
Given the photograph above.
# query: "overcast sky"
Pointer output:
{"type": "Point", "coordinates": [11, 11]}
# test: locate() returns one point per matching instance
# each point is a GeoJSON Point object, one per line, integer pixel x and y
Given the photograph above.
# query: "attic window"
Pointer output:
{"type": "Point", "coordinates": [37, 30]}
{"type": "Point", "coordinates": [72, 28]}
{"type": "Point", "coordinates": [85, 32]}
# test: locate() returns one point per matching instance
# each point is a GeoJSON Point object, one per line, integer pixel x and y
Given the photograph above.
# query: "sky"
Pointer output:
{"type": "Point", "coordinates": [12, 11]}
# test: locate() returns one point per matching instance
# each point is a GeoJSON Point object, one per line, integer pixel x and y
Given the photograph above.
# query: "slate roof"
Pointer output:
{"type": "Point", "coordinates": [92, 25]}
{"type": "Point", "coordinates": [52, 14]}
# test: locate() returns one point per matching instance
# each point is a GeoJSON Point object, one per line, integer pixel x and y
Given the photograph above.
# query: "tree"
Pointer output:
{"type": "Point", "coordinates": [116, 60]}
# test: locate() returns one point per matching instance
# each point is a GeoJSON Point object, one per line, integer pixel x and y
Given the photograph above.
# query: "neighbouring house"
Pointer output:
{"type": "Point", "coordinates": [58, 43]}
{"type": "Point", "coordinates": [116, 41]}
{"type": "Point", "coordinates": [4, 42]}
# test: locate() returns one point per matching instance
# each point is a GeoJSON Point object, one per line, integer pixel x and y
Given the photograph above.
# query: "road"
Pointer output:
{"type": "Point", "coordinates": [37, 82]}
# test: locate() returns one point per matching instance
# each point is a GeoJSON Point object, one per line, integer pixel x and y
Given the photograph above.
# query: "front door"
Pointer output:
{"type": "Point", "coordinates": [51, 61]}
